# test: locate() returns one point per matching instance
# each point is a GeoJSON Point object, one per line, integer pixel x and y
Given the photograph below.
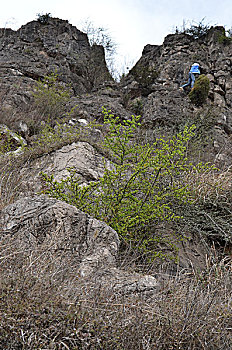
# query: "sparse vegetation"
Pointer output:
{"type": "Point", "coordinates": [51, 97]}
{"type": "Point", "coordinates": [196, 30]}
{"type": "Point", "coordinates": [43, 18]}
{"type": "Point", "coordinates": [7, 143]}
{"type": "Point", "coordinates": [38, 310]}
{"type": "Point", "coordinates": [226, 37]}
{"type": "Point", "coordinates": [101, 36]}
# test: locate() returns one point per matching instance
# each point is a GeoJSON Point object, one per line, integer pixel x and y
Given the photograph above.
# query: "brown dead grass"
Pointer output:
{"type": "Point", "coordinates": [209, 184]}
{"type": "Point", "coordinates": [46, 305]}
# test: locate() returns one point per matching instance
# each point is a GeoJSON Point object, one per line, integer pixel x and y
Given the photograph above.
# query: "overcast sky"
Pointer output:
{"type": "Point", "coordinates": [131, 23]}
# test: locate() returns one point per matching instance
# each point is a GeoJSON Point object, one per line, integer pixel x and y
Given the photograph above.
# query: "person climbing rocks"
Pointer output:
{"type": "Point", "coordinates": [193, 74]}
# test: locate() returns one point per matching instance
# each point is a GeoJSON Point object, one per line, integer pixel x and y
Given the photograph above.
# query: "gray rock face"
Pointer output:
{"type": "Point", "coordinates": [81, 156]}
{"type": "Point", "coordinates": [157, 76]}
{"type": "Point", "coordinates": [36, 50]}
{"type": "Point", "coordinates": [108, 95]}
{"type": "Point", "coordinates": [41, 220]}
{"type": "Point", "coordinates": [83, 247]}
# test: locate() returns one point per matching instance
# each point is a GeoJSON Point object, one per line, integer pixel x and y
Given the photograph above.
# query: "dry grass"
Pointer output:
{"type": "Point", "coordinates": [10, 180]}
{"type": "Point", "coordinates": [46, 305]}
{"type": "Point", "coordinates": [209, 184]}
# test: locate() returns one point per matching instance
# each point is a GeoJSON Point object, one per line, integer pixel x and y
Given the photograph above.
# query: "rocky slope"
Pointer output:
{"type": "Point", "coordinates": [151, 89]}
{"type": "Point", "coordinates": [65, 282]}
{"type": "Point", "coordinates": [38, 49]}
{"type": "Point", "coordinates": [153, 85]}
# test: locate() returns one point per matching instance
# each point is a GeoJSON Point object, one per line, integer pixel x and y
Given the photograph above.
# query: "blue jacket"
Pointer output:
{"type": "Point", "coordinates": [195, 69]}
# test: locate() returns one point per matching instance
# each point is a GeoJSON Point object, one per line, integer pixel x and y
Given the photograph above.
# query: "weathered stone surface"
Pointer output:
{"type": "Point", "coordinates": [157, 76]}
{"type": "Point", "coordinates": [36, 50]}
{"type": "Point", "coordinates": [90, 105]}
{"type": "Point", "coordinates": [81, 156]}
{"type": "Point", "coordinates": [150, 89]}
{"type": "Point", "coordinates": [37, 220]}
{"type": "Point", "coordinates": [82, 246]}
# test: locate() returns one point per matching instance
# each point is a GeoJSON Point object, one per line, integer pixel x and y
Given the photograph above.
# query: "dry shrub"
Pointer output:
{"type": "Point", "coordinates": [46, 305]}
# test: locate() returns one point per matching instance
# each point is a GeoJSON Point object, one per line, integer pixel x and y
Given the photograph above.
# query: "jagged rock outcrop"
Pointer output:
{"type": "Point", "coordinates": [167, 66]}
{"type": "Point", "coordinates": [151, 88]}
{"type": "Point", "coordinates": [37, 49]}
{"type": "Point", "coordinates": [153, 85]}
{"type": "Point", "coordinates": [80, 247]}
{"type": "Point", "coordinates": [109, 95]}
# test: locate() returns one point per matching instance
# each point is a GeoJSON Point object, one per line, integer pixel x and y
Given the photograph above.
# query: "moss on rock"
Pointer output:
{"type": "Point", "coordinates": [200, 91]}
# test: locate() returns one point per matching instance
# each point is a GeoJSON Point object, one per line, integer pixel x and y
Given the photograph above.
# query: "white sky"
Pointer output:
{"type": "Point", "coordinates": [131, 23]}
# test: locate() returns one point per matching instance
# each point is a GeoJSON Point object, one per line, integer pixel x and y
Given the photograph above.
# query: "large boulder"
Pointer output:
{"type": "Point", "coordinates": [81, 156]}
{"type": "Point", "coordinates": [76, 247]}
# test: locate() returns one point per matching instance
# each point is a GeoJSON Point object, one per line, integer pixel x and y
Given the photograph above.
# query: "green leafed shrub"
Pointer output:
{"type": "Point", "coordinates": [7, 143]}
{"type": "Point", "coordinates": [200, 91]}
{"type": "Point", "coordinates": [139, 190]}
{"type": "Point", "coordinates": [9, 140]}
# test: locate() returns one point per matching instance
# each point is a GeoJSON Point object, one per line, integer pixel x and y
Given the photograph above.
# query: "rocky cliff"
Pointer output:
{"type": "Point", "coordinates": [151, 88]}
{"type": "Point", "coordinates": [64, 277]}
{"type": "Point", "coordinates": [153, 83]}
{"type": "Point", "coordinates": [38, 49]}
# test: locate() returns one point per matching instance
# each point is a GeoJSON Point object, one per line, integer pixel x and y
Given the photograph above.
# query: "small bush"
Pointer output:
{"type": "Point", "coordinates": [137, 106]}
{"type": "Point", "coordinates": [209, 215]}
{"type": "Point", "coordinates": [7, 143]}
{"type": "Point", "coordinates": [225, 38]}
{"type": "Point", "coordinates": [9, 140]}
{"type": "Point", "coordinates": [196, 30]}
{"type": "Point", "coordinates": [43, 19]}
{"type": "Point", "coordinates": [52, 138]}
{"type": "Point", "coordinates": [200, 91]}
{"type": "Point", "coordinates": [102, 36]}
{"type": "Point", "coordinates": [51, 97]}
